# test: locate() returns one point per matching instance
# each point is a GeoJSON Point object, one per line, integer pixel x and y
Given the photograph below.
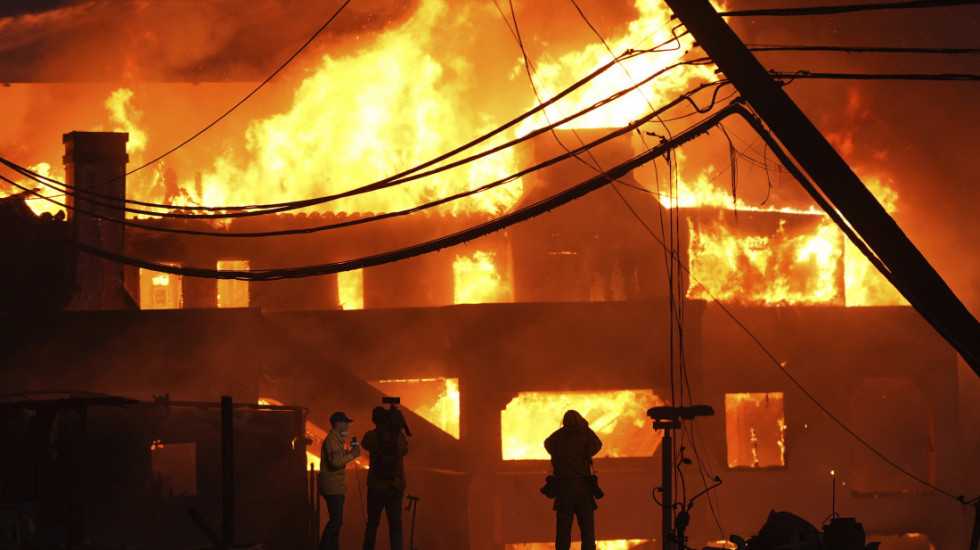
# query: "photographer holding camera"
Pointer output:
{"type": "Point", "coordinates": [387, 446]}
{"type": "Point", "coordinates": [571, 448]}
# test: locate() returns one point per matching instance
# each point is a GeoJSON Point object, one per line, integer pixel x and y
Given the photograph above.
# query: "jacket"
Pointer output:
{"type": "Point", "coordinates": [333, 462]}
{"type": "Point", "coordinates": [572, 447]}
{"type": "Point", "coordinates": [371, 443]}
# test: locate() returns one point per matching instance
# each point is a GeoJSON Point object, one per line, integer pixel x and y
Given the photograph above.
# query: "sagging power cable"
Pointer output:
{"type": "Point", "coordinates": [376, 217]}
{"type": "Point", "coordinates": [403, 176]}
{"type": "Point", "coordinates": [505, 220]}
{"type": "Point", "coordinates": [846, 8]}
{"type": "Point", "coordinates": [797, 173]}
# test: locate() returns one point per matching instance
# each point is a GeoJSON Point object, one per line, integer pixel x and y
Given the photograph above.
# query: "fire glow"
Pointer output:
{"type": "Point", "coordinates": [617, 417]}
{"type": "Point", "coordinates": [477, 280]}
{"type": "Point", "coordinates": [615, 544]}
{"type": "Point", "coordinates": [434, 399]}
{"type": "Point", "coordinates": [755, 429]}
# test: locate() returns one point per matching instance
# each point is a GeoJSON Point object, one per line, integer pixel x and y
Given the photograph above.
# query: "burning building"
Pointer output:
{"type": "Point", "coordinates": [489, 342]}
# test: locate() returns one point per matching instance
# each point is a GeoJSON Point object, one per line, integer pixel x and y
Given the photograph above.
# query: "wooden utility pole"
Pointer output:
{"type": "Point", "coordinates": [901, 262]}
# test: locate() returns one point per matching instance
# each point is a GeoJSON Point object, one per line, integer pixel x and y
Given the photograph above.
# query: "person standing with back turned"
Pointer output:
{"type": "Point", "coordinates": [387, 446]}
{"type": "Point", "coordinates": [331, 482]}
{"type": "Point", "coordinates": [571, 448]}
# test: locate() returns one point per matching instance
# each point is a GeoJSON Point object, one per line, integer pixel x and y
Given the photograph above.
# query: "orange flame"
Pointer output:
{"type": "Point", "coordinates": [614, 544]}
{"type": "Point", "coordinates": [350, 289]}
{"type": "Point", "coordinates": [775, 269]}
{"type": "Point", "coordinates": [755, 429]}
{"type": "Point", "coordinates": [434, 399]}
{"type": "Point", "coordinates": [336, 136]}
{"type": "Point", "coordinates": [231, 292]}
{"type": "Point", "coordinates": [477, 280]}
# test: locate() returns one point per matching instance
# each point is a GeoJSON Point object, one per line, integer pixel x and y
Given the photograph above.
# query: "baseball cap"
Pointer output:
{"type": "Point", "coordinates": [339, 417]}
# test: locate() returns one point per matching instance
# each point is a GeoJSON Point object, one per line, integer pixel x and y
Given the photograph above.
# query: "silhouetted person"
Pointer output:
{"type": "Point", "coordinates": [334, 457]}
{"type": "Point", "coordinates": [571, 448]}
{"type": "Point", "coordinates": [387, 446]}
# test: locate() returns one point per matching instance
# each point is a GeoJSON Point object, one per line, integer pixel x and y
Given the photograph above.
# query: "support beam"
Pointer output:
{"type": "Point", "coordinates": [895, 256]}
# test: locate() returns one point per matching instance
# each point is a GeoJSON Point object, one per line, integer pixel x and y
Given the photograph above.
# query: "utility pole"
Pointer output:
{"type": "Point", "coordinates": [903, 264]}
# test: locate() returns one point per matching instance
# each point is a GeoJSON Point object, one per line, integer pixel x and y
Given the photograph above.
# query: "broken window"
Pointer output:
{"type": "Point", "coordinates": [755, 425]}
{"type": "Point", "coordinates": [617, 417]}
{"type": "Point", "coordinates": [160, 290]}
{"type": "Point", "coordinates": [232, 292]}
{"type": "Point", "coordinates": [174, 468]}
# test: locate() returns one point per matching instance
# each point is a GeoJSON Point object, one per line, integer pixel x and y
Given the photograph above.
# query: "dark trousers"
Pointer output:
{"type": "Point", "coordinates": [391, 502]}
{"type": "Point", "coordinates": [574, 500]}
{"type": "Point", "coordinates": [330, 540]}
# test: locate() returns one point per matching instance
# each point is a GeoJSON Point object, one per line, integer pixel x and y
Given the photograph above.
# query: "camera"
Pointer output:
{"type": "Point", "coordinates": [396, 420]}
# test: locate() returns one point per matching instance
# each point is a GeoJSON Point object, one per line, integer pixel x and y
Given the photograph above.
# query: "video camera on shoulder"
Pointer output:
{"type": "Point", "coordinates": [396, 420]}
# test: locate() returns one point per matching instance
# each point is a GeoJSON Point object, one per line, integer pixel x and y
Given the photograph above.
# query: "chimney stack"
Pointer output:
{"type": "Point", "coordinates": [95, 162]}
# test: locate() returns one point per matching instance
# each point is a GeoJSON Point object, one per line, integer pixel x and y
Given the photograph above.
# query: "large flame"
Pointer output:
{"type": "Point", "coordinates": [552, 74]}
{"type": "Point", "coordinates": [777, 269]}
{"type": "Point", "coordinates": [362, 117]}
{"type": "Point", "coordinates": [866, 286]}
{"type": "Point", "coordinates": [617, 417]}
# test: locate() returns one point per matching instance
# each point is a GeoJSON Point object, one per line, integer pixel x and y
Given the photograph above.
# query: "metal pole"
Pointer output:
{"type": "Point", "coordinates": [975, 538]}
{"type": "Point", "coordinates": [667, 447]}
{"type": "Point", "coordinates": [900, 261]}
{"type": "Point", "coordinates": [227, 472]}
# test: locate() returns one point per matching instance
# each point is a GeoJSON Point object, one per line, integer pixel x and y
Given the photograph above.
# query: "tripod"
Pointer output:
{"type": "Point", "coordinates": [413, 505]}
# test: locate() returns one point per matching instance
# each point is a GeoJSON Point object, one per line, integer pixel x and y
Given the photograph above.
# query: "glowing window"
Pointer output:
{"type": "Point", "coordinates": [616, 544]}
{"type": "Point", "coordinates": [350, 289]}
{"type": "Point", "coordinates": [908, 541]}
{"type": "Point", "coordinates": [481, 278]}
{"type": "Point", "coordinates": [755, 426]}
{"type": "Point", "coordinates": [160, 290]}
{"type": "Point", "coordinates": [434, 399]}
{"type": "Point", "coordinates": [232, 292]}
{"type": "Point", "coordinates": [617, 417]}
{"type": "Point", "coordinates": [174, 468]}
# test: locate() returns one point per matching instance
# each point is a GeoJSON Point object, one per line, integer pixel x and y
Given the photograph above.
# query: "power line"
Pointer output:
{"type": "Point", "coordinates": [412, 210]}
{"type": "Point", "coordinates": [676, 303]}
{"type": "Point", "coordinates": [874, 76]}
{"type": "Point", "coordinates": [558, 199]}
{"type": "Point", "coordinates": [401, 177]}
{"type": "Point", "coordinates": [787, 163]}
{"type": "Point", "coordinates": [248, 96]}
{"type": "Point", "coordinates": [847, 8]}
{"type": "Point", "coordinates": [860, 49]}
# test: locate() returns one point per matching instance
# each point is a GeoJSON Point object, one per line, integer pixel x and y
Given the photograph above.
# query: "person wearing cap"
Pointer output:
{"type": "Point", "coordinates": [334, 457]}
{"type": "Point", "coordinates": [571, 448]}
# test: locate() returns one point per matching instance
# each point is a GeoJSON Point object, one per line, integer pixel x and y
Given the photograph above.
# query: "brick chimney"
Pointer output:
{"type": "Point", "coordinates": [96, 162]}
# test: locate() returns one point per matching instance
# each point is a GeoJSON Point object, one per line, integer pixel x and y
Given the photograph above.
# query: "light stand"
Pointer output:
{"type": "Point", "coordinates": [669, 419]}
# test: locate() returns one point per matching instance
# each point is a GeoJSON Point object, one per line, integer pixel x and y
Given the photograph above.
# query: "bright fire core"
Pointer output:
{"type": "Point", "coordinates": [617, 417]}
